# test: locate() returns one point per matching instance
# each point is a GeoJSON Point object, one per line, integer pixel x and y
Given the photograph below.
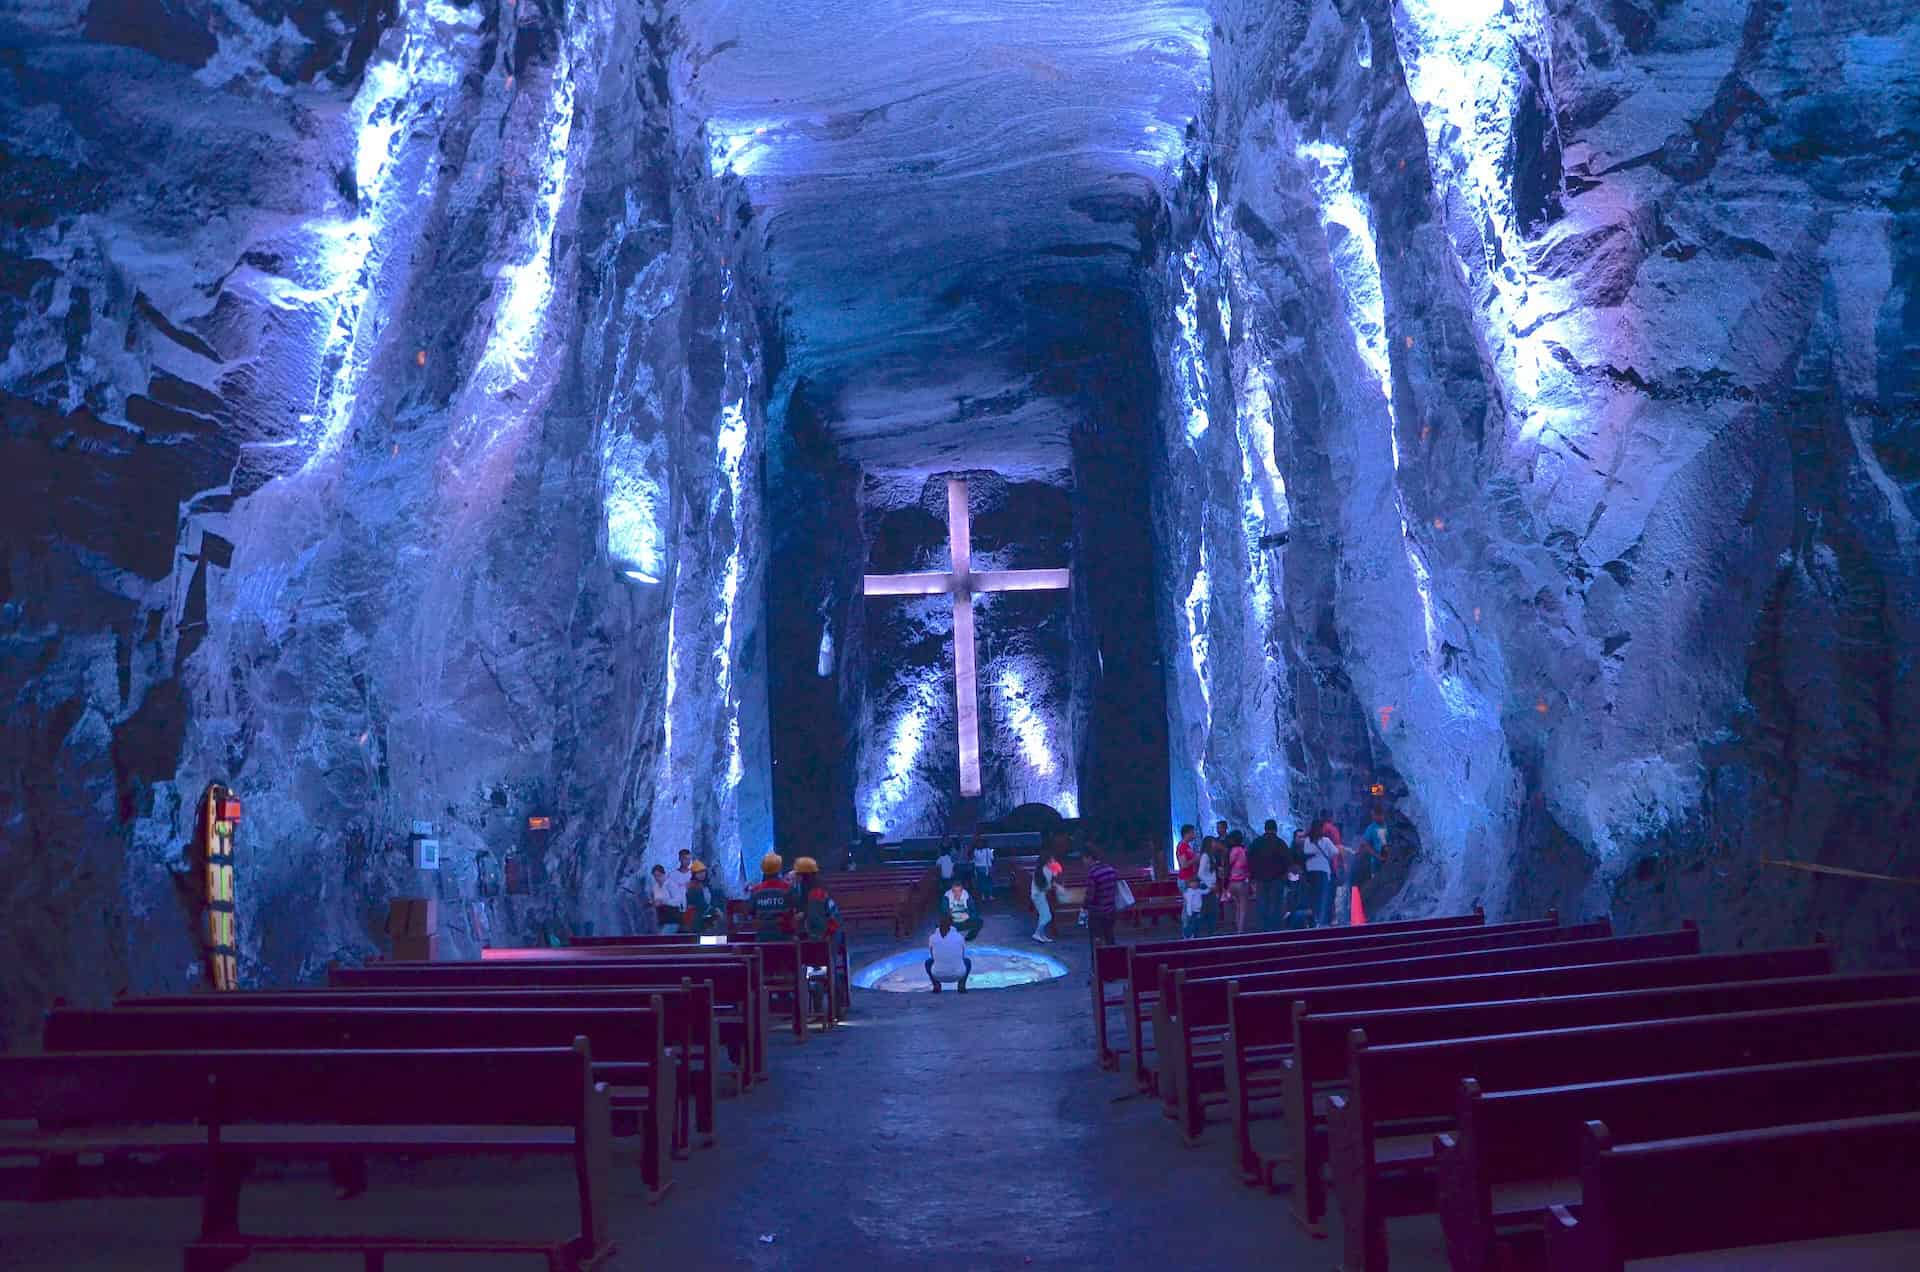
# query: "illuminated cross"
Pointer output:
{"type": "Point", "coordinates": [962, 583]}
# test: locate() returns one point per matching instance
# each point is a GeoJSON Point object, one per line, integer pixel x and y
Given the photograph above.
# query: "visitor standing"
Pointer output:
{"type": "Point", "coordinates": [1323, 864]}
{"type": "Point", "coordinates": [1239, 880]}
{"type": "Point", "coordinates": [945, 863]}
{"type": "Point", "coordinates": [1040, 892]}
{"type": "Point", "coordinates": [947, 956]}
{"type": "Point", "coordinates": [1102, 883]}
{"type": "Point", "coordinates": [1207, 870]}
{"type": "Point", "coordinates": [666, 917]}
{"type": "Point", "coordinates": [1300, 898]}
{"type": "Point", "coordinates": [1268, 855]}
{"type": "Point", "coordinates": [1369, 855]}
{"type": "Point", "coordinates": [982, 867]}
{"type": "Point", "coordinates": [1186, 854]}
{"type": "Point", "coordinates": [1193, 906]}
{"type": "Point", "coordinates": [956, 904]}
{"type": "Point", "coordinates": [679, 877]}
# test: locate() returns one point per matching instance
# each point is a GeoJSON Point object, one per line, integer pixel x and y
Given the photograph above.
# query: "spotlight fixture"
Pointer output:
{"type": "Point", "coordinates": [1278, 540]}
{"type": "Point", "coordinates": [641, 576]}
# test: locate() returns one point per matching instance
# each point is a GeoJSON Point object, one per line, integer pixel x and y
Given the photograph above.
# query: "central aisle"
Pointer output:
{"type": "Point", "coordinates": [971, 1131]}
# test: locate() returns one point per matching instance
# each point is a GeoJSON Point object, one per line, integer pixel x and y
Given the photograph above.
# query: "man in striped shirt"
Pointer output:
{"type": "Point", "coordinates": [1102, 879]}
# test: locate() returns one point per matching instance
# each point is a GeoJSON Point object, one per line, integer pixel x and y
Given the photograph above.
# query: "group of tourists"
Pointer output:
{"type": "Point", "coordinates": [1270, 883]}
{"type": "Point", "coordinates": [684, 898]}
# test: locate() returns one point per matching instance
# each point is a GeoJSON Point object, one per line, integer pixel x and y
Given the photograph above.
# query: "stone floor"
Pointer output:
{"type": "Point", "coordinates": [950, 1131]}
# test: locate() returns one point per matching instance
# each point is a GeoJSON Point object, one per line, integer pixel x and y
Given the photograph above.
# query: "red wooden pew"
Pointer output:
{"type": "Point", "coordinates": [692, 1027]}
{"type": "Point", "coordinates": [1111, 963]}
{"type": "Point", "coordinates": [1804, 1183]}
{"type": "Point", "coordinates": [1337, 951]}
{"type": "Point", "coordinates": [738, 993]}
{"type": "Point", "coordinates": [629, 1045]}
{"type": "Point", "coordinates": [1412, 1087]}
{"type": "Point", "coordinates": [224, 1107]}
{"type": "Point", "coordinates": [1514, 1154]}
{"type": "Point", "coordinates": [1259, 1059]}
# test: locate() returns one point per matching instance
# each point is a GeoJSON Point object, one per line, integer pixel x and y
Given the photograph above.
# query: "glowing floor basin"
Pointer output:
{"type": "Point", "coordinates": [994, 967]}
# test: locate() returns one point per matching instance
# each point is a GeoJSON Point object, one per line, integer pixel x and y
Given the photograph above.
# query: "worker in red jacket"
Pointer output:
{"type": "Point", "coordinates": [815, 914]}
{"type": "Point", "coordinates": [772, 901]}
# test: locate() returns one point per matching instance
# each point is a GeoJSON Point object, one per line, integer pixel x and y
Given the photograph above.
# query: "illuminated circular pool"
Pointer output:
{"type": "Point", "coordinates": [994, 967]}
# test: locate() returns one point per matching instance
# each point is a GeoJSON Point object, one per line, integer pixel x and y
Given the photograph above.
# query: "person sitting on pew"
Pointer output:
{"type": "Point", "coordinates": [772, 901]}
{"type": "Point", "coordinates": [666, 915]}
{"type": "Point", "coordinates": [956, 904]}
{"type": "Point", "coordinates": [703, 904]}
{"type": "Point", "coordinates": [818, 915]}
{"type": "Point", "coordinates": [947, 955]}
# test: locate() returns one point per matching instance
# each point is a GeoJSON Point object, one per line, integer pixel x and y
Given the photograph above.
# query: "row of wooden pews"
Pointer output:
{"type": "Point", "coordinates": [1560, 1096]}
{"type": "Point", "coordinates": [556, 1053]}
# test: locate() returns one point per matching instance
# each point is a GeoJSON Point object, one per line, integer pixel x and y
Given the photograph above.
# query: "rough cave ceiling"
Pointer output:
{"type": "Point", "coordinates": [939, 189]}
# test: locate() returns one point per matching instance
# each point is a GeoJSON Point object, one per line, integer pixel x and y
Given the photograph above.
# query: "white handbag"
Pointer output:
{"type": "Point", "coordinates": [1122, 895]}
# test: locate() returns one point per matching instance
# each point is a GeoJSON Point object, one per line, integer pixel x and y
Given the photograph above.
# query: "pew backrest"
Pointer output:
{"type": "Point", "coordinates": [1800, 1182]}
{"type": "Point", "coordinates": [1420, 1079]}
{"type": "Point", "coordinates": [1320, 1038]}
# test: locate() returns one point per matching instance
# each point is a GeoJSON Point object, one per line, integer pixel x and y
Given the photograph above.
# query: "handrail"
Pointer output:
{"type": "Point", "coordinates": [1813, 867]}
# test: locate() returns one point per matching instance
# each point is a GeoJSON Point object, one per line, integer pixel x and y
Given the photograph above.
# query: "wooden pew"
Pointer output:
{"type": "Point", "coordinates": [739, 995]}
{"type": "Point", "coordinates": [1328, 953]}
{"type": "Point", "coordinates": [1153, 900]}
{"type": "Point", "coordinates": [692, 1027]}
{"type": "Point", "coordinates": [1258, 1059]}
{"type": "Point", "coordinates": [628, 1045]}
{"type": "Point", "coordinates": [842, 963]}
{"type": "Point", "coordinates": [1514, 1154]}
{"type": "Point", "coordinates": [1797, 1183]}
{"type": "Point", "coordinates": [1408, 1090]}
{"type": "Point", "coordinates": [1320, 1041]}
{"type": "Point", "coordinates": [1189, 1009]}
{"type": "Point", "coordinates": [1111, 962]}
{"type": "Point", "coordinates": [225, 1107]}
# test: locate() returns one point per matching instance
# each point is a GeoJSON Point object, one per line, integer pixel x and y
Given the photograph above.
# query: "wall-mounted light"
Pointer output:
{"type": "Point", "coordinates": [641, 576]}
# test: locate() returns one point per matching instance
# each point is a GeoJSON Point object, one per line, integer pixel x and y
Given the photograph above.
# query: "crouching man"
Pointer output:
{"type": "Point", "coordinates": [947, 956]}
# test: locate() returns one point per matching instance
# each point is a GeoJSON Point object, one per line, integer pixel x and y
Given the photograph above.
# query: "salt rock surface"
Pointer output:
{"type": "Point", "coordinates": [1586, 337]}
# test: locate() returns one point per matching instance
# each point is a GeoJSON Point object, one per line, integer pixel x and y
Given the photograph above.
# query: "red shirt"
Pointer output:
{"type": "Point", "coordinates": [1187, 858]}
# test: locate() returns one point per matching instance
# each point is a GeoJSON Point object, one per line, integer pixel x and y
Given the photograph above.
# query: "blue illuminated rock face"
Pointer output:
{"type": "Point", "coordinates": [459, 412]}
{"type": "Point", "coordinates": [1586, 337]}
{"type": "Point", "coordinates": [389, 407]}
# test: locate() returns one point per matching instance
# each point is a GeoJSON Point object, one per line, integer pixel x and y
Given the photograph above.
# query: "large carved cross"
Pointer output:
{"type": "Point", "coordinates": [962, 583]}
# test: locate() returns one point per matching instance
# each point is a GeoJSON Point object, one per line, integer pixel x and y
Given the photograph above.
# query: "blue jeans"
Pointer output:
{"type": "Point", "coordinates": [1272, 903]}
{"type": "Point", "coordinates": [1322, 899]}
{"type": "Point", "coordinates": [963, 975]}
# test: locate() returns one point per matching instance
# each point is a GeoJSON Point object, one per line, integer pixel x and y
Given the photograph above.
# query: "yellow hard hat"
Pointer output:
{"type": "Point", "coordinates": [806, 865]}
{"type": "Point", "coordinates": [698, 867]}
{"type": "Point", "coordinates": [770, 864]}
